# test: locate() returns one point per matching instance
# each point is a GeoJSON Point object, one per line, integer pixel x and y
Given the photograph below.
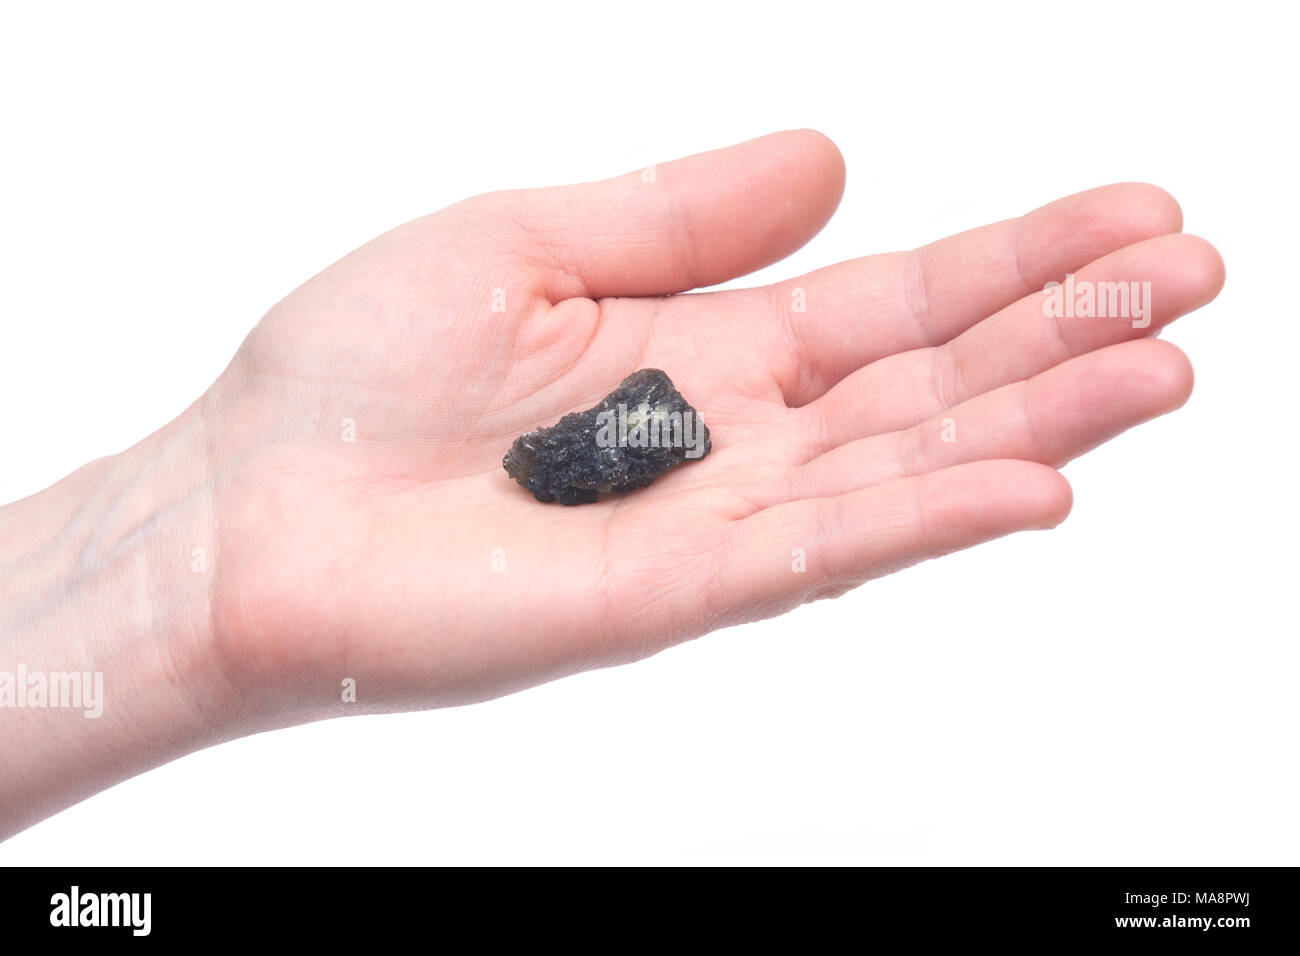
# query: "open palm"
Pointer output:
{"type": "Point", "coordinates": [864, 417]}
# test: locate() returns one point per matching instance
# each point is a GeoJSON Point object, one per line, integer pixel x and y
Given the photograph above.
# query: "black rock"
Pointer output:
{"type": "Point", "coordinates": [640, 430]}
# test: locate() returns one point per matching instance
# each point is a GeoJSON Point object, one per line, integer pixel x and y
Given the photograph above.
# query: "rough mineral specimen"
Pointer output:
{"type": "Point", "coordinates": [640, 430]}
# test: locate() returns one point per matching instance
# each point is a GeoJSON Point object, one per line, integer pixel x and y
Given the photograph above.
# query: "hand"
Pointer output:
{"type": "Point", "coordinates": [865, 417]}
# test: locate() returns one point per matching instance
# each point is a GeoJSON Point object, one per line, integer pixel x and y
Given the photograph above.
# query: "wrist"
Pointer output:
{"type": "Point", "coordinates": [105, 626]}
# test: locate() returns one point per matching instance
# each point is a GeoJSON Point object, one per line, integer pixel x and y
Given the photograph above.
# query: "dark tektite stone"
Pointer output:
{"type": "Point", "coordinates": [638, 431]}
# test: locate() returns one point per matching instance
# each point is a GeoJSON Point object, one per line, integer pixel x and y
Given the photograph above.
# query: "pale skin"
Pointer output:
{"type": "Point", "coordinates": [227, 573]}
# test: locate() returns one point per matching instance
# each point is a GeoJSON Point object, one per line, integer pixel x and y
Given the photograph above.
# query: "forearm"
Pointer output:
{"type": "Point", "coordinates": [106, 660]}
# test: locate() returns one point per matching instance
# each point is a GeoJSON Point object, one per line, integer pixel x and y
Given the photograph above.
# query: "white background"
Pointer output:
{"type": "Point", "coordinates": [1121, 690]}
